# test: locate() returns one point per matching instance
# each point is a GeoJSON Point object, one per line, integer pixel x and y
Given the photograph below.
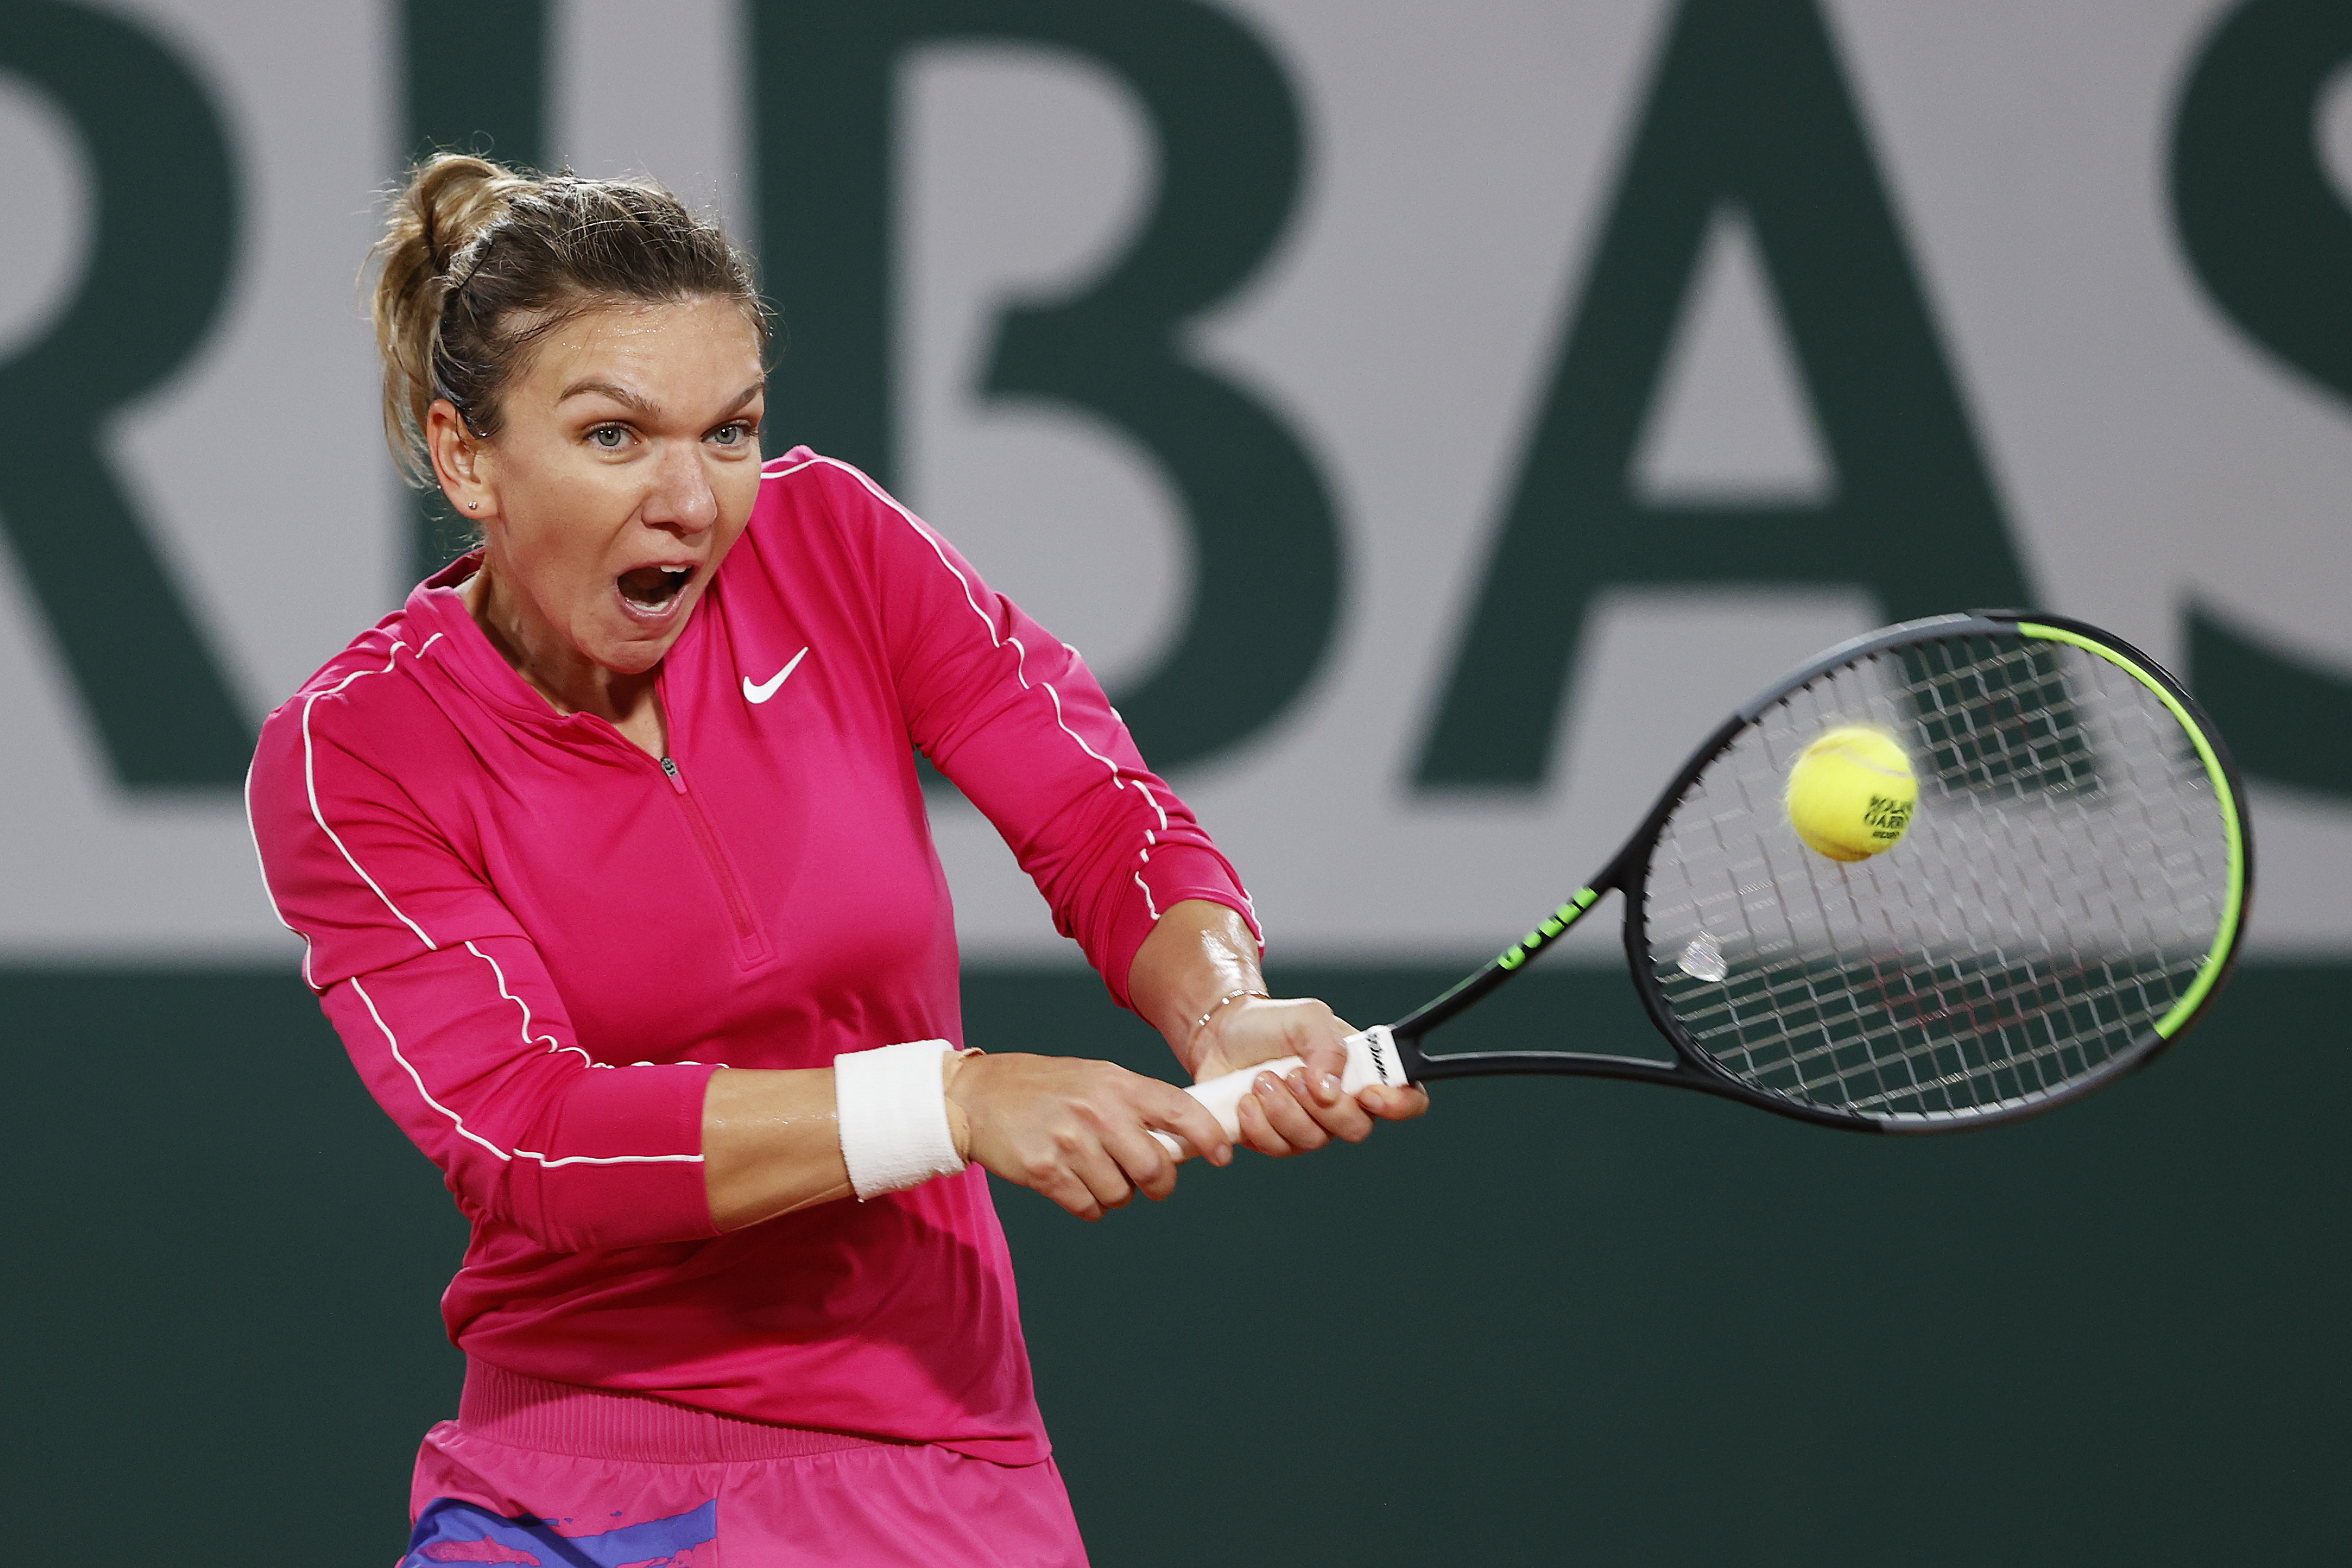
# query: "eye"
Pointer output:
{"type": "Point", "coordinates": [608, 438]}
{"type": "Point", "coordinates": [738, 432]}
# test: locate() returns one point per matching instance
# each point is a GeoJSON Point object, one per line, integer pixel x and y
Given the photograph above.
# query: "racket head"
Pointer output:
{"type": "Point", "coordinates": [2068, 899]}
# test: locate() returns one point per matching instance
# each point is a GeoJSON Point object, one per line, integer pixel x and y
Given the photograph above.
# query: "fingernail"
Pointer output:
{"type": "Point", "coordinates": [1330, 1086]}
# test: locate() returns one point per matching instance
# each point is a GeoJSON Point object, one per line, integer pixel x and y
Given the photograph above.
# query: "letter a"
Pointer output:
{"type": "Point", "coordinates": [1750, 111]}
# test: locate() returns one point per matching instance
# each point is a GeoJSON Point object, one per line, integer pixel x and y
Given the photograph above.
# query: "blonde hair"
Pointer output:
{"type": "Point", "coordinates": [479, 262]}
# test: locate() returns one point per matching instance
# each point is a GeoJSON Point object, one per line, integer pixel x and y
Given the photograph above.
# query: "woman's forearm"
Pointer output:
{"type": "Point", "coordinates": [1198, 955]}
{"type": "Point", "coordinates": [772, 1139]}
{"type": "Point", "coordinates": [770, 1144]}
{"type": "Point", "coordinates": [1072, 1129]}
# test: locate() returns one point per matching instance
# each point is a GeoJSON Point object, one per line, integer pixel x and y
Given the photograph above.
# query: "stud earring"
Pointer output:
{"type": "Point", "coordinates": [473, 506]}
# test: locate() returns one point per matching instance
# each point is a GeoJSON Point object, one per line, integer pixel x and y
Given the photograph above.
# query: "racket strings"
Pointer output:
{"type": "Point", "coordinates": [1984, 1002]}
{"type": "Point", "coordinates": [2058, 892]}
{"type": "Point", "coordinates": [1821, 1074]}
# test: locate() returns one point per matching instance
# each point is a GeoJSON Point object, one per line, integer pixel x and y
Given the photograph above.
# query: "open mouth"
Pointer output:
{"type": "Point", "coordinates": [654, 587]}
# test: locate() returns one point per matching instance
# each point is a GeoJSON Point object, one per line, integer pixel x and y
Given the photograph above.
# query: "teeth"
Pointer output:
{"type": "Point", "coordinates": [677, 571]}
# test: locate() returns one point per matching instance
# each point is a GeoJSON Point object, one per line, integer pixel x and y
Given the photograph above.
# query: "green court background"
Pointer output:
{"type": "Point", "coordinates": [1555, 1322]}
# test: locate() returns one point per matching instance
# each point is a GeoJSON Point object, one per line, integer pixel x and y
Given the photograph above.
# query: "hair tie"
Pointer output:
{"type": "Point", "coordinates": [481, 253]}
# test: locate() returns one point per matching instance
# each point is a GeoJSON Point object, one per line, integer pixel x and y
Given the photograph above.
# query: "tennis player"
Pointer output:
{"type": "Point", "coordinates": [612, 863]}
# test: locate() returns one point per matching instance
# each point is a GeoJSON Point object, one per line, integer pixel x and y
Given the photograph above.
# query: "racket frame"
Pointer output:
{"type": "Point", "coordinates": [1627, 875]}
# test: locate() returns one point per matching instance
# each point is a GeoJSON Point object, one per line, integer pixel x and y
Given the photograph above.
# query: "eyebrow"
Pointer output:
{"type": "Point", "coordinates": [623, 396]}
{"type": "Point", "coordinates": [620, 394]}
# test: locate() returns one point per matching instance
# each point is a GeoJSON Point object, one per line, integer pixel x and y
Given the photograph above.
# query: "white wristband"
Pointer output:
{"type": "Point", "coordinates": [892, 1105]}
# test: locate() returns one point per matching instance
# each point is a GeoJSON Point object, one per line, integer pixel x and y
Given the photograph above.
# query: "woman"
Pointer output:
{"type": "Point", "coordinates": [613, 866]}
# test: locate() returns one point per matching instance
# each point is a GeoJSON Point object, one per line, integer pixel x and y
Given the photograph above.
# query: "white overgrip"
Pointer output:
{"type": "Point", "coordinates": [1372, 1058]}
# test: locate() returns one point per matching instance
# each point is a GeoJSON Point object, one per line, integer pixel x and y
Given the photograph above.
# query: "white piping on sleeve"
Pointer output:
{"type": "Point", "coordinates": [459, 1122]}
{"type": "Point", "coordinates": [1020, 670]}
{"type": "Point", "coordinates": [554, 1049]}
{"type": "Point", "coordinates": [1020, 666]}
{"type": "Point", "coordinates": [1063, 723]}
{"type": "Point", "coordinates": [1151, 904]}
{"type": "Point", "coordinates": [1152, 801]}
{"type": "Point", "coordinates": [310, 782]}
{"type": "Point", "coordinates": [415, 1077]}
{"type": "Point", "coordinates": [309, 977]}
{"type": "Point", "coordinates": [1020, 652]}
{"type": "Point", "coordinates": [1143, 856]}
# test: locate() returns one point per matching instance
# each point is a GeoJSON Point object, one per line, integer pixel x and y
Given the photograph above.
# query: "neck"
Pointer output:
{"type": "Point", "coordinates": [551, 667]}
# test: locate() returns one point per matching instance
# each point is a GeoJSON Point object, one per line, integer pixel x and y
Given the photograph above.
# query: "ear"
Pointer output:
{"type": "Point", "coordinates": [461, 462]}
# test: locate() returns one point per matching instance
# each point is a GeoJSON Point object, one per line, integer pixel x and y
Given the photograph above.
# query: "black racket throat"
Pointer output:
{"type": "Point", "coordinates": [1684, 1070]}
{"type": "Point", "coordinates": [2068, 897]}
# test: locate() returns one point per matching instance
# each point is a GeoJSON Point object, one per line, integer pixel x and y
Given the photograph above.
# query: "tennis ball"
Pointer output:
{"type": "Point", "coordinates": [1851, 792]}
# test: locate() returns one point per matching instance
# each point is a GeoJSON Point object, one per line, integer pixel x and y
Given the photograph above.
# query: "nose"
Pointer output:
{"type": "Point", "coordinates": [680, 498]}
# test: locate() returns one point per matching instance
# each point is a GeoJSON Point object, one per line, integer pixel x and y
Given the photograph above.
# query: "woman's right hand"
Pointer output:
{"type": "Point", "coordinates": [1078, 1132]}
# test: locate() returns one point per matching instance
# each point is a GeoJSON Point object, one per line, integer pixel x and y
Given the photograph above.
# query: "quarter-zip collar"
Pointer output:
{"type": "Point", "coordinates": [464, 652]}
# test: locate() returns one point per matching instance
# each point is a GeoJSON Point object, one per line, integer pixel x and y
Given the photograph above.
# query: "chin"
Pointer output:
{"type": "Point", "coordinates": [632, 658]}
{"type": "Point", "coordinates": [629, 649]}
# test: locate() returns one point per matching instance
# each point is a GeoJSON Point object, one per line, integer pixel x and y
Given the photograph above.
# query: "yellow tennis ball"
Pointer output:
{"type": "Point", "coordinates": [1851, 792]}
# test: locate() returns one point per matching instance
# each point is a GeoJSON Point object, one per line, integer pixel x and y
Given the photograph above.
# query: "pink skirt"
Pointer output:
{"type": "Point", "coordinates": [534, 1472]}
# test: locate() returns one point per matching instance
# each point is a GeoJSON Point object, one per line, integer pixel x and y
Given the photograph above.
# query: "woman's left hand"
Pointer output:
{"type": "Point", "coordinates": [1307, 1109]}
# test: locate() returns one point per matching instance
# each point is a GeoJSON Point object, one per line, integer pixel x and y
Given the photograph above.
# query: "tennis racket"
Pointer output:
{"type": "Point", "coordinates": [2066, 900]}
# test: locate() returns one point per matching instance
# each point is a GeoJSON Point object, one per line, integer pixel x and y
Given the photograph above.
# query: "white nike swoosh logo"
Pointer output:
{"type": "Point", "coordinates": [766, 687]}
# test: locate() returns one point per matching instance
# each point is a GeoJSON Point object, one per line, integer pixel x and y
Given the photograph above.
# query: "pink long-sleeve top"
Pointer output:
{"type": "Point", "coordinates": [537, 942]}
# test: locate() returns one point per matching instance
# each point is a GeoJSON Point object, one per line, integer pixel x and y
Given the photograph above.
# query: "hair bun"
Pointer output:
{"type": "Point", "coordinates": [564, 244]}
{"type": "Point", "coordinates": [456, 197]}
